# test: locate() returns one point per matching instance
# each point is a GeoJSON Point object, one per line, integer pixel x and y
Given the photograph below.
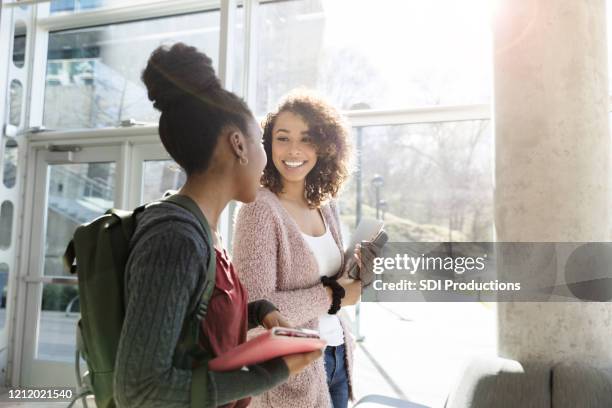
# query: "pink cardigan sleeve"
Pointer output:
{"type": "Point", "coordinates": [256, 259]}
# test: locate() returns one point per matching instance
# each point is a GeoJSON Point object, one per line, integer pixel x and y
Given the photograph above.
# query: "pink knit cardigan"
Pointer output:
{"type": "Point", "coordinates": [275, 263]}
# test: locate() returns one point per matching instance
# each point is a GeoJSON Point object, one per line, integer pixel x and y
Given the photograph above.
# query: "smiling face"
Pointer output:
{"type": "Point", "coordinates": [294, 153]}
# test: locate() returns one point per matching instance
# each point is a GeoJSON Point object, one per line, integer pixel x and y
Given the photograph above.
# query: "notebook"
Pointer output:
{"type": "Point", "coordinates": [276, 342]}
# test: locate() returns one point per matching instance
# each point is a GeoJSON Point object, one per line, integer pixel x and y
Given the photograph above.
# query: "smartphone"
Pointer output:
{"type": "Point", "coordinates": [381, 239]}
{"type": "Point", "coordinates": [299, 333]}
{"type": "Point", "coordinates": [353, 272]}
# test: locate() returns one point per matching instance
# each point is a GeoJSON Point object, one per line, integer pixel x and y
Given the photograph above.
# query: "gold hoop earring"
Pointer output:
{"type": "Point", "coordinates": [243, 161]}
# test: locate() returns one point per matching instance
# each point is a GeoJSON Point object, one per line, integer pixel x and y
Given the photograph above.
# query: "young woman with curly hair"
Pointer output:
{"type": "Point", "coordinates": [288, 248]}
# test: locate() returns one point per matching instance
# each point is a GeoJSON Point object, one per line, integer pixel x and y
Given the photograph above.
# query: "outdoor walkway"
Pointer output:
{"type": "Point", "coordinates": [416, 351]}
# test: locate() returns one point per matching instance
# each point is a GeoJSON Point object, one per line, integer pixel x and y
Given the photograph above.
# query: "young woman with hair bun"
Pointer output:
{"type": "Point", "coordinates": [212, 135]}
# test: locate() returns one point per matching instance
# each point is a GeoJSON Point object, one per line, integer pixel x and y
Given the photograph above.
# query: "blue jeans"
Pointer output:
{"type": "Point", "coordinates": [337, 379]}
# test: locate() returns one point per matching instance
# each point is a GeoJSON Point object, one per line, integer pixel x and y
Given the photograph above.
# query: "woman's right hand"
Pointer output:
{"type": "Point", "coordinates": [297, 362]}
{"type": "Point", "coordinates": [352, 291]}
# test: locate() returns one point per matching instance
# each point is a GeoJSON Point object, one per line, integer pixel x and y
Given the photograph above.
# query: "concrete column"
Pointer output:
{"type": "Point", "coordinates": [552, 162]}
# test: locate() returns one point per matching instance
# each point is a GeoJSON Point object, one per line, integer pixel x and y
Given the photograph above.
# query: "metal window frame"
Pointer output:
{"type": "Point", "coordinates": [249, 75]}
{"type": "Point", "coordinates": [9, 72]}
{"type": "Point", "coordinates": [121, 14]}
{"type": "Point", "coordinates": [6, 36]}
{"type": "Point", "coordinates": [356, 118]}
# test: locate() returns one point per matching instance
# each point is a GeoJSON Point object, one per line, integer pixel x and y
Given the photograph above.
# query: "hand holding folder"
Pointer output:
{"type": "Point", "coordinates": [277, 342]}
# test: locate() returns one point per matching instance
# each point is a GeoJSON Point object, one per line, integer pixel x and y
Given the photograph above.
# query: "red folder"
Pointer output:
{"type": "Point", "coordinates": [277, 342]}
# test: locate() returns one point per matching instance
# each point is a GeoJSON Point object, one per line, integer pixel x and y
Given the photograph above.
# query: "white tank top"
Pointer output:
{"type": "Point", "coordinates": [329, 260]}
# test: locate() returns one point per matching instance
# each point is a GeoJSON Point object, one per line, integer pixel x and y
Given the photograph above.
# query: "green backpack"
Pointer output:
{"type": "Point", "coordinates": [98, 254]}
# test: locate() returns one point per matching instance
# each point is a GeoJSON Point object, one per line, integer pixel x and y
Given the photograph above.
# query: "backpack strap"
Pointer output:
{"type": "Point", "coordinates": [120, 237]}
{"type": "Point", "coordinates": [209, 285]}
{"type": "Point", "coordinates": [191, 206]}
{"type": "Point", "coordinates": [189, 347]}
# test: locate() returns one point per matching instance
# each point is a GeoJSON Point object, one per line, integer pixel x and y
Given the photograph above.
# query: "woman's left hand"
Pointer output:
{"type": "Point", "coordinates": [364, 255]}
{"type": "Point", "coordinates": [365, 252]}
{"type": "Point", "coordinates": [275, 319]}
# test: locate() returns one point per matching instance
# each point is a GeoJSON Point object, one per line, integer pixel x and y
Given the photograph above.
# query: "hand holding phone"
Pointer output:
{"type": "Point", "coordinates": [368, 251]}
{"type": "Point", "coordinates": [274, 319]}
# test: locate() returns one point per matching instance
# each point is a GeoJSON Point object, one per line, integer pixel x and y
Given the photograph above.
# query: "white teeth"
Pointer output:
{"type": "Point", "coordinates": [293, 164]}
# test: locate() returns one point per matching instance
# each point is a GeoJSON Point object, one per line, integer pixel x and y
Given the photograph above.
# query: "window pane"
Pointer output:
{"type": "Point", "coordinates": [15, 102]}
{"type": "Point", "coordinates": [9, 176]}
{"type": "Point", "coordinates": [19, 43]}
{"type": "Point", "coordinates": [77, 193]}
{"type": "Point", "coordinates": [6, 224]}
{"type": "Point", "coordinates": [75, 6]}
{"type": "Point", "coordinates": [435, 184]}
{"type": "Point", "coordinates": [58, 319]}
{"type": "Point", "coordinates": [96, 71]}
{"type": "Point", "coordinates": [384, 53]}
{"type": "Point", "coordinates": [436, 181]}
{"type": "Point", "coordinates": [4, 274]}
{"type": "Point", "coordinates": [159, 176]}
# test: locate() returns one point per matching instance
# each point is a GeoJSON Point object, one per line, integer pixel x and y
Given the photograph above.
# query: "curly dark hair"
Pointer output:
{"type": "Point", "coordinates": [330, 135]}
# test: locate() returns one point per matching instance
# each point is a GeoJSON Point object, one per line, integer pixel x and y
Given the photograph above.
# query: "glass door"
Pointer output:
{"type": "Point", "coordinates": [73, 185]}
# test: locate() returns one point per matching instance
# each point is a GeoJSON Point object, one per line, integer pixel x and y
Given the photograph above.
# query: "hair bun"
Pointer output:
{"type": "Point", "coordinates": [177, 72]}
{"type": "Point", "coordinates": [164, 100]}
